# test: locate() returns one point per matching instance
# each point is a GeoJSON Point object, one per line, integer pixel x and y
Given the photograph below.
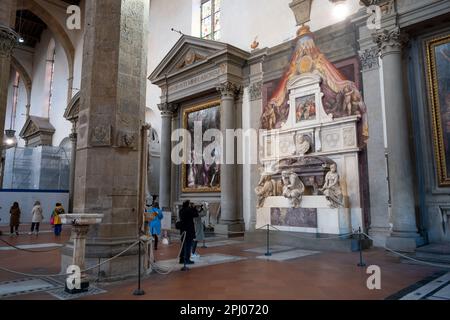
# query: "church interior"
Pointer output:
{"type": "Point", "coordinates": [249, 149]}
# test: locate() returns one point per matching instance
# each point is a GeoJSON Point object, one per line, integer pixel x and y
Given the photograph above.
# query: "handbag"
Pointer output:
{"type": "Point", "coordinates": [52, 220]}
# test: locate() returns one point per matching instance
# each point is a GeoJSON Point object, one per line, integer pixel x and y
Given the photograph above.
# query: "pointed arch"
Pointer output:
{"type": "Point", "coordinates": [59, 33]}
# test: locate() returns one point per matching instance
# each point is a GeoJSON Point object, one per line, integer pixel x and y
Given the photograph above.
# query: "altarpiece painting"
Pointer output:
{"type": "Point", "coordinates": [438, 65]}
{"type": "Point", "coordinates": [200, 176]}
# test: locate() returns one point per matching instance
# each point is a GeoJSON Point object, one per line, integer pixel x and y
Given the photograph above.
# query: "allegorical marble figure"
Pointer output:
{"type": "Point", "coordinates": [332, 189]}
{"type": "Point", "coordinates": [293, 187]}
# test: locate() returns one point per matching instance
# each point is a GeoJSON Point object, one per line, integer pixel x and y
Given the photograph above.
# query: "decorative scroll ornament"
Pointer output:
{"type": "Point", "coordinates": [8, 40]}
{"type": "Point", "coordinates": [255, 91]}
{"type": "Point", "coordinates": [167, 109]}
{"type": "Point", "coordinates": [369, 58]}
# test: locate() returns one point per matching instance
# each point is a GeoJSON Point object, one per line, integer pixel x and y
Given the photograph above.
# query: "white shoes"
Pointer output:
{"type": "Point", "coordinates": [195, 256]}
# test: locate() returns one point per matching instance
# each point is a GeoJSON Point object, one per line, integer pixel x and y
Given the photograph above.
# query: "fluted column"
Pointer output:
{"type": "Point", "coordinates": [404, 233]}
{"type": "Point", "coordinates": [229, 213]}
{"type": "Point", "coordinates": [165, 189]}
{"type": "Point", "coordinates": [376, 161]}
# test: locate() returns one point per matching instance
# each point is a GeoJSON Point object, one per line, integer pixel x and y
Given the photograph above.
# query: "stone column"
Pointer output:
{"type": "Point", "coordinates": [7, 42]}
{"type": "Point", "coordinates": [252, 121]}
{"type": "Point", "coordinates": [112, 112]}
{"type": "Point", "coordinates": [73, 157]}
{"type": "Point", "coordinates": [165, 178]}
{"type": "Point", "coordinates": [378, 185]}
{"type": "Point", "coordinates": [78, 237]}
{"type": "Point", "coordinates": [230, 220]}
{"type": "Point", "coordinates": [404, 235]}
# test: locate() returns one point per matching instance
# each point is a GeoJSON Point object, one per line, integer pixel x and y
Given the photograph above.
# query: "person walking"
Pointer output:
{"type": "Point", "coordinates": [36, 219]}
{"type": "Point", "coordinates": [187, 215]}
{"type": "Point", "coordinates": [14, 220]}
{"type": "Point", "coordinates": [155, 223]}
{"type": "Point", "coordinates": [199, 230]}
{"type": "Point", "coordinates": [57, 224]}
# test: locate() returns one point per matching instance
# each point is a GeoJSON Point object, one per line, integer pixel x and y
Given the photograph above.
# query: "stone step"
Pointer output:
{"type": "Point", "coordinates": [307, 241]}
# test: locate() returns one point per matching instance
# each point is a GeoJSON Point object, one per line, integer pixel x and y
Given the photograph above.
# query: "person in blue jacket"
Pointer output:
{"type": "Point", "coordinates": [155, 223]}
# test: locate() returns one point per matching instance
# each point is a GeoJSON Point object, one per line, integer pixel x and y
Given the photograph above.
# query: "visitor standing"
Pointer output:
{"type": "Point", "coordinates": [14, 220]}
{"type": "Point", "coordinates": [37, 218]}
{"type": "Point", "coordinates": [199, 230]}
{"type": "Point", "coordinates": [187, 215]}
{"type": "Point", "coordinates": [57, 224]}
{"type": "Point", "coordinates": [155, 223]}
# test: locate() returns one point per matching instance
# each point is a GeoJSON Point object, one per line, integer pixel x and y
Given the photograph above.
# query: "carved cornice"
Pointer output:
{"type": "Point", "coordinates": [167, 109]}
{"type": "Point", "coordinates": [390, 41]}
{"type": "Point", "coordinates": [229, 89]}
{"type": "Point", "coordinates": [369, 58]}
{"type": "Point", "coordinates": [255, 91]}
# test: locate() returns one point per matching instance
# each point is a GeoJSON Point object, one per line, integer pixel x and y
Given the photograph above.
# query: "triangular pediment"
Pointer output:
{"type": "Point", "coordinates": [35, 125]}
{"type": "Point", "coordinates": [73, 108]}
{"type": "Point", "coordinates": [187, 53]}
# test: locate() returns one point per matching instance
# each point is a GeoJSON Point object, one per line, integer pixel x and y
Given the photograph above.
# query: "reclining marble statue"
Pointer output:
{"type": "Point", "coordinates": [266, 188]}
{"type": "Point", "coordinates": [293, 187]}
{"type": "Point", "coordinates": [331, 188]}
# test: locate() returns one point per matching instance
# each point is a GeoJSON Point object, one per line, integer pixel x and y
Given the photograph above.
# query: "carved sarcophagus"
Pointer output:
{"type": "Point", "coordinates": [310, 169]}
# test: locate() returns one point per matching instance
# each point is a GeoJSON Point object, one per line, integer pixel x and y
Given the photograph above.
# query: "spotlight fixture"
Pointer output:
{"type": "Point", "coordinates": [21, 40]}
{"type": "Point", "coordinates": [10, 138]}
{"type": "Point", "coordinates": [340, 9]}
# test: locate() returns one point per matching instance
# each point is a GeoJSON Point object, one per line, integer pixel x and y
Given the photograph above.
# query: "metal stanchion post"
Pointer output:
{"type": "Point", "coordinates": [268, 254]}
{"type": "Point", "coordinates": [361, 262]}
{"type": "Point", "coordinates": [139, 291]}
{"type": "Point", "coordinates": [185, 254]}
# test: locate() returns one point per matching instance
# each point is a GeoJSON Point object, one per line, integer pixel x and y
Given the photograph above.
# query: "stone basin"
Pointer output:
{"type": "Point", "coordinates": [80, 219]}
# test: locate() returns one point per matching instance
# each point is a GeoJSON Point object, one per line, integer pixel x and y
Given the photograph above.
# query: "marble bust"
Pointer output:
{"type": "Point", "coordinates": [331, 188]}
{"type": "Point", "coordinates": [302, 144]}
{"type": "Point", "coordinates": [293, 187]}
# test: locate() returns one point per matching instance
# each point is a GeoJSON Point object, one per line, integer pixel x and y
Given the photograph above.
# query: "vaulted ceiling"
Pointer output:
{"type": "Point", "coordinates": [30, 27]}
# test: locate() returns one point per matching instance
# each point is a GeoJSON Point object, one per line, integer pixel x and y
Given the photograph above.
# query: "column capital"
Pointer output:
{"type": "Point", "coordinates": [8, 40]}
{"type": "Point", "coordinates": [369, 58]}
{"type": "Point", "coordinates": [390, 41]}
{"type": "Point", "coordinates": [167, 109]}
{"type": "Point", "coordinates": [229, 89]}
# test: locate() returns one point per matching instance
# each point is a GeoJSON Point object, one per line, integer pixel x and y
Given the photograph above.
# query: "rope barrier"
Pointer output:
{"type": "Point", "coordinates": [160, 269]}
{"type": "Point", "coordinates": [67, 274]}
{"type": "Point", "coordinates": [407, 257]}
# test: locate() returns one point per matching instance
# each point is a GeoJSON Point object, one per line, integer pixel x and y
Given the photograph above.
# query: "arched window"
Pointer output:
{"type": "Point", "coordinates": [49, 75]}
{"type": "Point", "coordinates": [210, 19]}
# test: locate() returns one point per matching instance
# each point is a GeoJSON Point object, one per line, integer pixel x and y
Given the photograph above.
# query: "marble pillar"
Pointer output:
{"type": "Point", "coordinates": [112, 113]}
{"type": "Point", "coordinates": [7, 43]}
{"type": "Point", "coordinates": [165, 178]}
{"type": "Point", "coordinates": [73, 157]}
{"type": "Point", "coordinates": [378, 185]}
{"type": "Point", "coordinates": [404, 235]}
{"type": "Point", "coordinates": [252, 121]}
{"type": "Point", "coordinates": [230, 216]}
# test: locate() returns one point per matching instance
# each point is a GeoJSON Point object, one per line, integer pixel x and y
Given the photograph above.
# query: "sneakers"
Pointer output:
{"type": "Point", "coordinates": [30, 233]}
{"type": "Point", "coordinates": [195, 256]}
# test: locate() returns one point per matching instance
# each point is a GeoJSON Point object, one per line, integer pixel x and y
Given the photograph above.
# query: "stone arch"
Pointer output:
{"type": "Point", "coordinates": [59, 34]}
{"type": "Point", "coordinates": [24, 76]}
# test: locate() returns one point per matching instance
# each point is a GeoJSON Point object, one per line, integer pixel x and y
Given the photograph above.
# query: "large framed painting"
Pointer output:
{"type": "Point", "coordinates": [438, 65]}
{"type": "Point", "coordinates": [201, 176]}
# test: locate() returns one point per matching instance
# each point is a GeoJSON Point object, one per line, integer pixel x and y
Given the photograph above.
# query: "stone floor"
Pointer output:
{"type": "Point", "coordinates": [228, 270]}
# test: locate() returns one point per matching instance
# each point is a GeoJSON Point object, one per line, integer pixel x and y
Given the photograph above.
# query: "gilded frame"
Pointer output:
{"type": "Point", "coordinates": [186, 112]}
{"type": "Point", "coordinates": [440, 155]}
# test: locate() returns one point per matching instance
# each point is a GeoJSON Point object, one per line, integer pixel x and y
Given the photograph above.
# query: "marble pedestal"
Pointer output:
{"type": "Point", "coordinates": [80, 227]}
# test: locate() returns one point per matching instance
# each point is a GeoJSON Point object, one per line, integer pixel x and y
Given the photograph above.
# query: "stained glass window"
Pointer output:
{"type": "Point", "coordinates": [210, 19]}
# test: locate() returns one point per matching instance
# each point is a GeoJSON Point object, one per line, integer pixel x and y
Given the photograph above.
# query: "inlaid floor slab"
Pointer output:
{"type": "Point", "coordinates": [61, 294]}
{"type": "Point", "coordinates": [23, 286]}
{"type": "Point", "coordinates": [203, 261]}
{"type": "Point", "coordinates": [32, 246]}
{"type": "Point", "coordinates": [274, 248]}
{"type": "Point", "coordinates": [212, 244]}
{"type": "Point", "coordinates": [436, 289]}
{"type": "Point", "coordinates": [288, 255]}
